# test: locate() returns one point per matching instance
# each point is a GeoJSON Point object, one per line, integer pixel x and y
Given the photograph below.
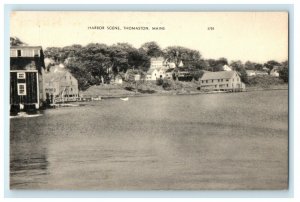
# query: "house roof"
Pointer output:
{"type": "Point", "coordinates": [218, 75]}
{"type": "Point", "coordinates": [170, 70]}
{"type": "Point", "coordinates": [25, 47]}
{"type": "Point", "coordinates": [55, 74]}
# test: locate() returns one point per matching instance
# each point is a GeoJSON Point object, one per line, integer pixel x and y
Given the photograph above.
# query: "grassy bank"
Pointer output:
{"type": "Point", "coordinates": [265, 83]}
{"type": "Point", "coordinates": [142, 88]}
{"type": "Point", "coordinates": [173, 87]}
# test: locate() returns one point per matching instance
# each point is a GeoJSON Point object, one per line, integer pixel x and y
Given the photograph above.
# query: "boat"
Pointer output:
{"type": "Point", "coordinates": [124, 99]}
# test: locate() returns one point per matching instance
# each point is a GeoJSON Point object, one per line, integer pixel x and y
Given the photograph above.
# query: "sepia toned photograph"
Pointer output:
{"type": "Point", "coordinates": [149, 100]}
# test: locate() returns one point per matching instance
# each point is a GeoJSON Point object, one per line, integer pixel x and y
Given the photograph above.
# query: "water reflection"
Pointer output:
{"type": "Point", "coordinates": [28, 155]}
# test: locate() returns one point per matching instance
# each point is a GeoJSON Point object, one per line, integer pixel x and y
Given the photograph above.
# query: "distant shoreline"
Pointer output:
{"type": "Point", "coordinates": [172, 93]}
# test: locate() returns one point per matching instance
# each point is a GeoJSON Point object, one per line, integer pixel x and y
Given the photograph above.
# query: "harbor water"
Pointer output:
{"type": "Point", "coordinates": [186, 142]}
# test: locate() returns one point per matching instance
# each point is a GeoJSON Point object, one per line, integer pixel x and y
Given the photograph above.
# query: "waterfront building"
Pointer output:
{"type": "Point", "coordinates": [60, 85]}
{"type": "Point", "coordinates": [26, 77]}
{"type": "Point", "coordinates": [221, 81]}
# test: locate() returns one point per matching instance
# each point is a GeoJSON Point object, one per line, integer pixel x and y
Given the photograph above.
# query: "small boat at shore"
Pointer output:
{"type": "Point", "coordinates": [124, 99]}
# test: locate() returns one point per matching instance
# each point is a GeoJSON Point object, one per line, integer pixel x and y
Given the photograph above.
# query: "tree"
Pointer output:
{"type": "Point", "coordinates": [202, 64]}
{"type": "Point", "coordinates": [152, 49]}
{"type": "Point", "coordinates": [95, 63]}
{"type": "Point", "coordinates": [239, 67]}
{"type": "Point", "coordinates": [15, 41]}
{"type": "Point", "coordinates": [92, 62]}
{"type": "Point", "coordinates": [54, 53]}
{"type": "Point", "coordinates": [197, 74]}
{"type": "Point", "coordinates": [284, 71]}
{"type": "Point", "coordinates": [249, 65]}
{"type": "Point", "coordinates": [68, 52]}
{"type": "Point", "coordinates": [124, 56]}
{"type": "Point", "coordinates": [119, 58]}
{"type": "Point", "coordinates": [191, 59]}
{"type": "Point", "coordinates": [258, 66]}
{"type": "Point", "coordinates": [84, 77]}
{"type": "Point", "coordinates": [223, 61]}
{"type": "Point", "coordinates": [217, 65]}
{"type": "Point", "coordinates": [138, 59]}
{"type": "Point", "coordinates": [271, 64]}
{"type": "Point", "coordinates": [175, 54]}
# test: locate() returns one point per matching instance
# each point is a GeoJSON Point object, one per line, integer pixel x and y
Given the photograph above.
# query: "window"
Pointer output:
{"type": "Point", "coordinates": [19, 53]}
{"type": "Point", "coordinates": [227, 79]}
{"type": "Point", "coordinates": [206, 81]}
{"type": "Point", "coordinates": [202, 81]}
{"type": "Point", "coordinates": [21, 75]}
{"type": "Point", "coordinates": [222, 80]}
{"type": "Point", "coordinates": [21, 89]}
{"type": "Point", "coordinates": [218, 80]}
{"type": "Point", "coordinates": [227, 85]}
{"type": "Point", "coordinates": [212, 80]}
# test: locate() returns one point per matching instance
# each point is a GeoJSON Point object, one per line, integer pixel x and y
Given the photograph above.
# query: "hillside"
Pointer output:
{"type": "Point", "coordinates": [265, 82]}
{"type": "Point", "coordinates": [127, 89]}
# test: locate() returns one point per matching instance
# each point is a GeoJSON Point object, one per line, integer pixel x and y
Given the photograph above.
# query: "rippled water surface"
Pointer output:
{"type": "Point", "coordinates": [212, 141]}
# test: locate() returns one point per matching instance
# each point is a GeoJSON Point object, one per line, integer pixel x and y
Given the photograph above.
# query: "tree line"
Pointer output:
{"type": "Point", "coordinates": [98, 63]}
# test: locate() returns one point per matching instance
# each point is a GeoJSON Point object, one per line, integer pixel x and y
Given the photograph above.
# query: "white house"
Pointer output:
{"type": "Point", "coordinates": [251, 73]}
{"type": "Point", "coordinates": [158, 68]}
{"type": "Point", "coordinates": [274, 72]}
{"type": "Point", "coordinates": [157, 63]}
{"type": "Point", "coordinates": [227, 68]}
{"type": "Point", "coordinates": [152, 75]}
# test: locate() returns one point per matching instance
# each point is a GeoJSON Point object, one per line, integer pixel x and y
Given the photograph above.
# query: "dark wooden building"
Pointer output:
{"type": "Point", "coordinates": [26, 77]}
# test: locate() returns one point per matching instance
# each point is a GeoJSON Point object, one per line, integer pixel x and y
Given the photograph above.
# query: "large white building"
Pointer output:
{"type": "Point", "coordinates": [158, 68]}
{"type": "Point", "coordinates": [221, 81]}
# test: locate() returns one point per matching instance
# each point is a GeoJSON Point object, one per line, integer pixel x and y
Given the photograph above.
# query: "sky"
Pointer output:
{"type": "Point", "coordinates": [254, 36]}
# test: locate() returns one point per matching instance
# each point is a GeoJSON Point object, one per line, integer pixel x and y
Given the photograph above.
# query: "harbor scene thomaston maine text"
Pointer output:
{"type": "Point", "coordinates": [115, 115]}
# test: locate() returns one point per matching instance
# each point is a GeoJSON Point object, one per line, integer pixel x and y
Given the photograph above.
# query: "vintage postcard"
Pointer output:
{"type": "Point", "coordinates": [149, 100]}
